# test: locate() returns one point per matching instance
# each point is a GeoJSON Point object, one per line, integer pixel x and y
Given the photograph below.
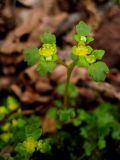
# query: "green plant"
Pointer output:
{"type": "Point", "coordinates": [73, 125]}
{"type": "Point", "coordinates": [80, 134]}
{"type": "Point", "coordinates": [82, 55]}
{"type": "Point", "coordinates": [20, 136]}
{"type": "Point", "coordinates": [10, 105]}
{"type": "Point", "coordinates": [89, 129]}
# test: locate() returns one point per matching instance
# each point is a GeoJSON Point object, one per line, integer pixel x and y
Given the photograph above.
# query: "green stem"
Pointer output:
{"type": "Point", "coordinates": [59, 61]}
{"type": "Point", "coordinates": [69, 71]}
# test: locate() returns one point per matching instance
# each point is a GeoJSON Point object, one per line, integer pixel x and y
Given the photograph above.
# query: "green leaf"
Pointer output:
{"type": "Point", "coordinates": [66, 115]}
{"type": "Point", "coordinates": [32, 131]}
{"type": "Point", "coordinates": [88, 147]}
{"type": "Point", "coordinates": [83, 115]}
{"type": "Point", "coordinates": [48, 38]}
{"type": "Point", "coordinates": [51, 113]}
{"type": "Point", "coordinates": [98, 53]}
{"type": "Point", "coordinates": [116, 131]}
{"type": "Point", "coordinates": [32, 127]}
{"type": "Point", "coordinates": [81, 39]}
{"type": "Point", "coordinates": [58, 103]}
{"type": "Point", "coordinates": [45, 67]}
{"type": "Point", "coordinates": [34, 120]}
{"type": "Point", "coordinates": [43, 146]}
{"type": "Point", "coordinates": [32, 55]}
{"type": "Point", "coordinates": [82, 62]}
{"type": "Point", "coordinates": [77, 37]}
{"type": "Point", "coordinates": [89, 39]}
{"type": "Point", "coordinates": [91, 59]}
{"type": "Point", "coordinates": [98, 71]}
{"type": "Point", "coordinates": [83, 29]}
{"type": "Point", "coordinates": [18, 134]}
{"type": "Point", "coordinates": [73, 57]}
{"type": "Point", "coordinates": [54, 57]}
{"type": "Point", "coordinates": [20, 149]}
{"type": "Point", "coordinates": [72, 90]}
{"type": "Point", "coordinates": [84, 132]}
{"type": "Point", "coordinates": [101, 143]}
{"type": "Point", "coordinates": [76, 122]}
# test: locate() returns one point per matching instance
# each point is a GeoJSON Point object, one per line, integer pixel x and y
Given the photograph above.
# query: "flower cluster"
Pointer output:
{"type": "Point", "coordinates": [85, 54]}
{"type": "Point", "coordinates": [5, 137]}
{"type": "Point", "coordinates": [81, 50]}
{"type": "Point", "coordinates": [48, 50]}
{"type": "Point", "coordinates": [10, 106]}
{"type": "Point", "coordinates": [30, 144]}
{"type": "Point", "coordinates": [82, 54]}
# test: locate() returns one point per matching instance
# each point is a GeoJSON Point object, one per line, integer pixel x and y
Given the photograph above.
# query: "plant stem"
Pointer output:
{"type": "Point", "coordinates": [69, 71]}
{"type": "Point", "coordinates": [59, 61]}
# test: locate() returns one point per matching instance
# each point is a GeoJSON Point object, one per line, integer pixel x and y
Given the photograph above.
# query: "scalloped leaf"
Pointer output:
{"type": "Point", "coordinates": [83, 29]}
{"type": "Point", "coordinates": [98, 53]}
{"type": "Point", "coordinates": [98, 71]}
{"type": "Point", "coordinates": [82, 62]}
{"type": "Point", "coordinates": [89, 39]}
{"type": "Point", "coordinates": [31, 55]}
{"type": "Point", "coordinates": [45, 67]}
{"type": "Point", "coordinates": [48, 38]}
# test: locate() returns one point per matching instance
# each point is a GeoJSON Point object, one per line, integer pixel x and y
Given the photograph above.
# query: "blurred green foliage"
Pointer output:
{"type": "Point", "coordinates": [92, 128]}
{"type": "Point", "coordinates": [80, 134]}
{"type": "Point", "coordinates": [22, 135]}
{"type": "Point", "coordinates": [116, 1]}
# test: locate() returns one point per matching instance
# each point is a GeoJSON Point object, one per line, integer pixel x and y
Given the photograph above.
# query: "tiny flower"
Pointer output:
{"type": "Point", "coordinates": [3, 110]}
{"type": "Point", "coordinates": [81, 50]}
{"type": "Point", "coordinates": [83, 38]}
{"type": "Point", "coordinates": [12, 103]}
{"type": "Point", "coordinates": [5, 137]}
{"type": "Point", "coordinates": [30, 145]}
{"type": "Point", "coordinates": [14, 122]}
{"type": "Point", "coordinates": [48, 51]}
{"type": "Point", "coordinates": [12, 107]}
{"type": "Point", "coordinates": [6, 127]}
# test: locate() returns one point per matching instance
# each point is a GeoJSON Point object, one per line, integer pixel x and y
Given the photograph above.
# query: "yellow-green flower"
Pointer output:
{"type": "Point", "coordinates": [14, 122]}
{"type": "Point", "coordinates": [3, 110]}
{"type": "Point", "coordinates": [6, 127]}
{"type": "Point", "coordinates": [81, 50]}
{"type": "Point", "coordinates": [83, 38]}
{"type": "Point", "coordinates": [48, 51]}
{"type": "Point", "coordinates": [12, 103]}
{"type": "Point", "coordinates": [5, 137]}
{"type": "Point", "coordinates": [19, 111]}
{"type": "Point", "coordinates": [13, 107]}
{"type": "Point", "coordinates": [30, 145]}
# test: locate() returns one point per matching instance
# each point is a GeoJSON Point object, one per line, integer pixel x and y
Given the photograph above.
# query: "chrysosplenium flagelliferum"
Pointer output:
{"type": "Point", "coordinates": [82, 54]}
